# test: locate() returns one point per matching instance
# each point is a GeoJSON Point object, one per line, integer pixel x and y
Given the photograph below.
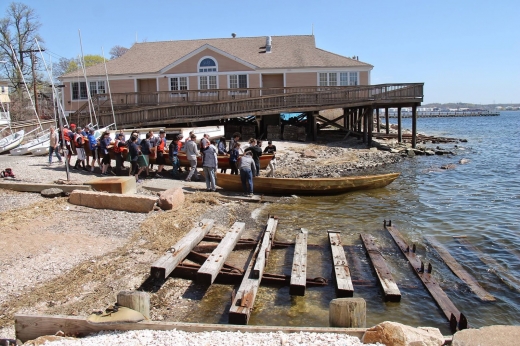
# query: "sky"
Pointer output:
{"type": "Point", "coordinates": [462, 50]}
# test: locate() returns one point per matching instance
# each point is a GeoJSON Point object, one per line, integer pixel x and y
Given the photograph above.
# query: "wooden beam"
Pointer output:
{"type": "Point", "coordinates": [386, 280]}
{"type": "Point", "coordinates": [341, 269]}
{"type": "Point", "coordinates": [454, 316]}
{"type": "Point", "coordinates": [210, 269]}
{"type": "Point", "coordinates": [299, 267]}
{"type": "Point", "coordinates": [399, 126]}
{"type": "Point", "coordinates": [29, 327]}
{"type": "Point", "coordinates": [34, 187]}
{"type": "Point", "coordinates": [414, 126]}
{"type": "Point", "coordinates": [387, 119]}
{"type": "Point", "coordinates": [167, 263]}
{"type": "Point", "coordinates": [378, 120]}
{"type": "Point", "coordinates": [458, 270]}
{"type": "Point", "coordinates": [267, 242]}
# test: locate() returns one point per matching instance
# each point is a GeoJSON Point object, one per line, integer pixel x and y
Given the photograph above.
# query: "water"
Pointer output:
{"type": "Point", "coordinates": [480, 200]}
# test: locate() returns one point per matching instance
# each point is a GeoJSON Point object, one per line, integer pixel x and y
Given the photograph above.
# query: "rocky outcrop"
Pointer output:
{"type": "Point", "coordinates": [397, 334]}
{"type": "Point", "coordinates": [171, 198]}
{"type": "Point", "coordinates": [491, 335]}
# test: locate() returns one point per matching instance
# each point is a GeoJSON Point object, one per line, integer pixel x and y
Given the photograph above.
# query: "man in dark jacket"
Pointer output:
{"type": "Point", "coordinates": [256, 152]}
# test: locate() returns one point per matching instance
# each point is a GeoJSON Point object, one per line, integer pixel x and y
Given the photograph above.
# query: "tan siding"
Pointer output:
{"type": "Point", "coordinates": [122, 86]}
{"type": "Point", "coordinates": [222, 82]}
{"type": "Point", "coordinates": [254, 80]}
{"type": "Point", "coordinates": [164, 84]}
{"type": "Point", "coordinates": [193, 82]}
{"type": "Point", "coordinates": [224, 63]}
{"type": "Point", "coordinates": [301, 79]}
{"type": "Point", "coordinates": [272, 80]}
{"type": "Point", "coordinates": [363, 78]}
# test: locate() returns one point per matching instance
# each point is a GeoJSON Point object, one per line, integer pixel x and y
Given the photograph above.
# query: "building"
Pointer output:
{"type": "Point", "coordinates": [213, 64]}
{"type": "Point", "coordinates": [5, 118]}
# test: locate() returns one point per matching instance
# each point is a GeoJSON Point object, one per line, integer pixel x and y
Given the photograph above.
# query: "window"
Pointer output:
{"type": "Point", "coordinates": [331, 79]}
{"type": "Point", "coordinates": [238, 81]}
{"type": "Point", "coordinates": [79, 90]}
{"type": "Point", "coordinates": [208, 65]}
{"type": "Point", "coordinates": [179, 83]}
{"type": "Point", "coordinates": [97, 87]}
{"type": "Point", "coordinates": [207, 82]}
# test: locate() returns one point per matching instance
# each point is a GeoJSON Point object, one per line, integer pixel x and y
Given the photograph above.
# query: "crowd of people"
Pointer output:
{"type": "Point", "coordinates": [69, 141]}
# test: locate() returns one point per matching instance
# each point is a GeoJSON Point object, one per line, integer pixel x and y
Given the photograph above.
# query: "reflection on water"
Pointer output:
{"type": "Point", "coordinates": [479, 200]}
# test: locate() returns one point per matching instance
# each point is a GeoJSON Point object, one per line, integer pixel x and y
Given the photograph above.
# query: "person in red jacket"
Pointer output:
{"type": "Point", "coordinates": [161, 144]}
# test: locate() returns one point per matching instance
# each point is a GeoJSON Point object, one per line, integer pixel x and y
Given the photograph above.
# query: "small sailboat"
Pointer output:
{"type": "Point", "coordinates": [42, 140]}
{"type": "Point", "coordinates": [11, 141]}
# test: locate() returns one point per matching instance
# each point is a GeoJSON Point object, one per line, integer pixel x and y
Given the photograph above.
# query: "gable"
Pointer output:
{"type": "Point", "coordinates": [224, 63]}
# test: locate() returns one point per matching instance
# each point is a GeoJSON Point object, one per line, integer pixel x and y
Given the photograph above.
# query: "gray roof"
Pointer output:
{"type": "Point", "coordinates": [297, 51]}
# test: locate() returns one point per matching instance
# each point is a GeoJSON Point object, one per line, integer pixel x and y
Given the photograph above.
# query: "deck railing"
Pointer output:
{"type": "Point", "coordinates": [193, 105]}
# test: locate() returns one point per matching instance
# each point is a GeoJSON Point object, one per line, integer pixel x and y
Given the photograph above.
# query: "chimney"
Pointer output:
{"type": "Point", "coordinates": [268, 44]}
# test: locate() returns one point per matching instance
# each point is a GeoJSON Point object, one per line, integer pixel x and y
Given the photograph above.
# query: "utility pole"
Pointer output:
{"type": "Point", "coordinates": [32, 51]}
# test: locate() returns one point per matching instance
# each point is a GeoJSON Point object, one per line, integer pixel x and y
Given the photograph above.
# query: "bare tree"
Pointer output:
{"type": "Point", "coordinates": [18, 29]}
{"type": "Point", "coordinates": [117, 51]}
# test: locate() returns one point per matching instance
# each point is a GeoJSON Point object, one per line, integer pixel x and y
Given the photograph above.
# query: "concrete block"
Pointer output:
{"type": "Point", "coordinates": [122, 185]}
{"type": "Point", "coordinates": [491, 335]}
{"type": "Point", "coordinates": [103, 200]}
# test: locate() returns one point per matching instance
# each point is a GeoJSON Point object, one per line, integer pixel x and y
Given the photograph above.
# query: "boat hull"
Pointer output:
{"type": "Point", "coordinates": [40, 150]}
{"type": "Point", "coordinates": [307, 186]}
{"type": "Point", "coordinates": [12, 141]}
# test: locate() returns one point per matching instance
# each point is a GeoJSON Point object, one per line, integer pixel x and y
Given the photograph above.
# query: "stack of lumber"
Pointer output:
{"type": "Point", "coordinates": [274, 132]}
{"type": "Point", "coordinates": [294, 133]}
{"type": "Point", "coordinates": [229, 130]}
{"type": "Point", "coordinates": [248, 131]}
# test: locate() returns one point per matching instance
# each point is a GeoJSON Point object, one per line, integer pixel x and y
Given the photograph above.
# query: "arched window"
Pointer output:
{"type": "Point", "coordinates": [207, 65]}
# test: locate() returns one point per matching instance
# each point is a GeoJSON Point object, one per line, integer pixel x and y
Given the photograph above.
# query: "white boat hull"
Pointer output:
{"type": "Point", "coordinates": [27, 147]}
{"type": "Point", "coordinates": [12, 141]}
{"type": "Point", "coordinates": [40, 150]}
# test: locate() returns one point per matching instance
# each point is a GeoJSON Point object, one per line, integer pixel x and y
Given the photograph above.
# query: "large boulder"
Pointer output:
{"type": "Point", "coordinates": [397, 334]}
{"type": "Point", "coordinates": [105, 200]}
{"type": "Point", "coordinates": [171, 198]}
{"type": "Point", "coordinates": [491, 335]}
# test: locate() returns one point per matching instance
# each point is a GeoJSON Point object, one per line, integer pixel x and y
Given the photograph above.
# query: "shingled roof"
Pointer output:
{"type": "Point", "coordinates": [287, 52]}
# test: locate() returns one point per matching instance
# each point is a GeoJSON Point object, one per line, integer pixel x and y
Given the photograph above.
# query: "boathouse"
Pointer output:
{"type": "Point", "coordinates": [213, 81]}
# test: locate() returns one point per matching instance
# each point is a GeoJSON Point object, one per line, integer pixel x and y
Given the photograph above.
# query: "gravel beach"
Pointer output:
{"type": "Point", "coordinates": [65, 259]}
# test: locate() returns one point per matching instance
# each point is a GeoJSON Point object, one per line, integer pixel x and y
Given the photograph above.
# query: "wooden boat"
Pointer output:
{"type": "Point", "coordinates": [307, 186]}
{"type": "Point", "coordinates": [11, 141]}
{"type": "Point", "coordinates": [223, 161]}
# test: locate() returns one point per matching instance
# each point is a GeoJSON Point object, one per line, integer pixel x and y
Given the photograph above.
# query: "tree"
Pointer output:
{"type": "Point", "coordinates": [117, 51]}
{"type": "Point", "coordinates": [18, 29]}
{"type": "Point", "coordinates": [70, 65]}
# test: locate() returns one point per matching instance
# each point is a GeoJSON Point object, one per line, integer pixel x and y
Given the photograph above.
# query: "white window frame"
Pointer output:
{"type": "Point", "coordinates": [82, 91]}
{"type": "Point", "coordinates": [335, 78]}
{"type": "Point", "coordinates": [95, 87]}
{"type": "Point", "coordinates": [180, 85]}
{"type": "Point", "coordinates": [207, 69]}
{"type": "Point", "coordinates": [237, 85]}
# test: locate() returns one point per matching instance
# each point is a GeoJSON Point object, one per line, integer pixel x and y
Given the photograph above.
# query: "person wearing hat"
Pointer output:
{"type": "Point", "coordinates": [247, 172]}
{"type": "Point", "coordinates": [161, 144]}
{"type": "Point", "coordinates": [271, 149]}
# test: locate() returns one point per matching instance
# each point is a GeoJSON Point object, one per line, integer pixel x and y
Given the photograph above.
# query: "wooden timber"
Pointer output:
{"type": "Point", "coordinates": [458, 270]}
{"type": "Point", "coordinates": [29, 327]}
{"type": "Point", "coordinates": [494, 266]}
{"type": "Point", "coordinates": [454, 316]}
{"type": "Point", "coordinates": [210, 269]}
{"type": "Point", "coordinates": [299, 267]}
{"type": "Point", "coordinates": [267, 243]}
{"type": "Point", "coordinates": [344, 285]}
{"type": "Point", "coordinates": [386, 280]}
{"type": "Point", "coordinates": [244, 299]}
{"type": "Point", "coordinates": [35, 187]}
{"type": "Point", "coordinates": [307, 186]}
{"type": "Point", "coordinates": [201, 258]}
{"type": "Point", "coordinates": [167, 263]}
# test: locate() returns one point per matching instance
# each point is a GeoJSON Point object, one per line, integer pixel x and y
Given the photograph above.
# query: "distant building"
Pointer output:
{"type": "Point", "coordinates": [223, 63]}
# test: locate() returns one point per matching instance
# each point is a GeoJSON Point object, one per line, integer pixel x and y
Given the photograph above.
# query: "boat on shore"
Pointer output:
{"type": "Point", "coordinates": [42, 141]}
{"type": "Point", "coordinates": [307, 186]}
{"type": "Point", "coordinates": [12, 141]}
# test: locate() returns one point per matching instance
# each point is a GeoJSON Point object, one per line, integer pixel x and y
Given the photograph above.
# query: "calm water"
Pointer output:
{"type": "Point", "coordinates": [480, 200]}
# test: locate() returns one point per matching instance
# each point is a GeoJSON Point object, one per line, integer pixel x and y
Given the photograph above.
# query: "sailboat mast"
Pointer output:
{"type": "Point", "coordinates": [89, 99]}
{"type": "Point", "coordinates": [108, 87]}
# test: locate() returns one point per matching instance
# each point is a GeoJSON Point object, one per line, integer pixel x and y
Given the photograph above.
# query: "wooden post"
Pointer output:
{"type": "Point", "coordinates": [365, 125]}
{"type": "Point", "coordinates": [299, 267]}
{"type": "Point", "coordinates": [267, 242]}
{"type": "Point", "coordinates": [135, 300]}
{"type": "Point", "coordinates": [378, 120]}
{"type": "Point", "coordinates": [167, 263]}
{"type": "Point", "coordinates": [347, 313]}
{"type": "Point", "coordinates": [387, 118]}
{"type": "Point", "coordinates": [399, 126]}
{"type": "Point", "coordinates": [345, 119]}
{"type": "Point", "coordinates": [341, 270]}
{"type": "Point", "coordinates": [370, 114]}
{"type": "Point", "coordinates": [210, 269]}
{"type": "Point", "coordinates": [414, 126]}
{"type": "Point", "coordinates": [314, 127]}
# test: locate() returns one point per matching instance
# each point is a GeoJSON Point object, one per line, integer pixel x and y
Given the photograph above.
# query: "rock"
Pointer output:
{"type": "Point", "coordinates": [490, 335]}
{"type": "Point", "coordinates": [463, 161]}
{"type": "Point", "coordinates": [52, 192]}
{"type": "Point", "coordinates": [373, 149]}
{"type": "Point", "coordinates": [410, 152]}
{"type": "Point", "coordinates": [397, 334]}
{"type": "Point", "coordinates": [449, 166]}
{"type": "Point", "coordinates": [429, 152]}
{"type": "Point", "coordinates": [310, 154]}
{"type": "Point", "coordinates": [104, 200]}
{"type": "Point", "coordinates": [171, 198]}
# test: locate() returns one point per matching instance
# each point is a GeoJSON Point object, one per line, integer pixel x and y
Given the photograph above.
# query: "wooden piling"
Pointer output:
{"type": "Point", "coordinates": [347, 313]}
{"type": "Point", "coordinates": [299, 267]}
{"type": "Point", "coordinates": [386, 280]}
{"type": "Point", "coordinates": [167, 263]}
{"type": "Point", "coordinates": [210, 269]}
{"type": "Point", "coordinates": [135, 300]}
{"type": "Point", "coordinates": [267, 242]}
{"type": "Point", "coordinates": [341, 270]}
